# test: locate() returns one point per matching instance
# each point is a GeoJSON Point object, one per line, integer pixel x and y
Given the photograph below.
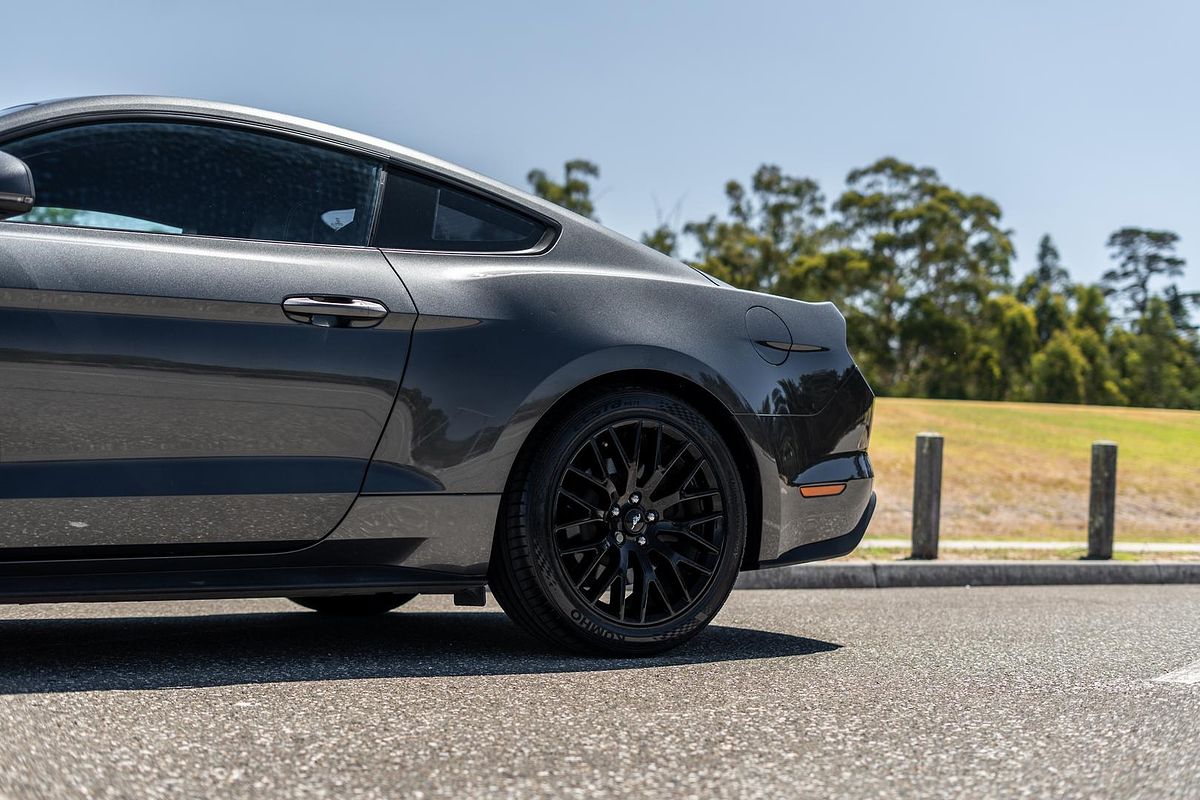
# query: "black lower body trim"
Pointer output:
{"type": "Point", "coordinates": [107, 551]}
{"type": "Point", "coordinates": [828, 548]}
{"type": "Point", "coordinates": [388, 553]}
{"type": "Point", "coordinates": [215, 584]}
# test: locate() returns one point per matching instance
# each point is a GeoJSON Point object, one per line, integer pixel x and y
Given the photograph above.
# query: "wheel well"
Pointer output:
{"type": "Point", "coordinates": [712, 408]}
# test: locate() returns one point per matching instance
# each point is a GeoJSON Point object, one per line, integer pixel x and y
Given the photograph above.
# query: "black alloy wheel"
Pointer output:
{"type": "Point", "coordinates": [639, 521]}
{"type": "Point", "coordinates": [624, 530]}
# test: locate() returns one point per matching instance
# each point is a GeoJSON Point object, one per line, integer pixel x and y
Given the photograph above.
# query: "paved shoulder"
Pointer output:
{"type": "Point", "coordinates": [1039, 691]}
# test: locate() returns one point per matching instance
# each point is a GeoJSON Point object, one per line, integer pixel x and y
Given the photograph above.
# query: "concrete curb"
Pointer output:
{"type": "Point", "coordinates": [893, 574]}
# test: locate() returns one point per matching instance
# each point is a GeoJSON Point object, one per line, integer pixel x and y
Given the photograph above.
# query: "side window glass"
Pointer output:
{"type": "Point", "coordinates": [423, 214]}
{"type": "Point", "coordinates": [162, 177]}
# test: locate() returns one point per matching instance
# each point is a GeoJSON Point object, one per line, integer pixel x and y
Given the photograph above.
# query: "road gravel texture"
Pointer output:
{"type": "Point", "coordinates": [946, 692]}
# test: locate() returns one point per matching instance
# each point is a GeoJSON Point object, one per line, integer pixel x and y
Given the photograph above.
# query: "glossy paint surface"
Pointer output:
{"type": "Point", "coordinates": [137, 368]}
{"type": "Point", "coordinates": [157, 389]}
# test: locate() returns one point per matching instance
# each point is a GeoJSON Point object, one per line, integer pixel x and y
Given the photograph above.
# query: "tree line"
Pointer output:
{"type": "Point", "coordinates": [923, 273]}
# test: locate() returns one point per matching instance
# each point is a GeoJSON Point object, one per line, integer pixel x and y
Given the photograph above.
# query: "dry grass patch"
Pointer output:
{"type": "Point", "coordinates": [1020, 470]}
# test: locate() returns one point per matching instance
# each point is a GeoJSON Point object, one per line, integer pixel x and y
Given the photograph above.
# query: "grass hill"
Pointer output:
{"type": "Point", "coordinates": [1020, 470]}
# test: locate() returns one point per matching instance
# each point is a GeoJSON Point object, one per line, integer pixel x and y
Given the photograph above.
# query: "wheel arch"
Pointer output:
{"type": "Point", "coordinates": [705, 401]}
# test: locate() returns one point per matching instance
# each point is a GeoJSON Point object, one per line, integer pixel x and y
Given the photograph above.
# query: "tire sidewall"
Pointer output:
{"type": "Point", "coordinates": [551, 462]}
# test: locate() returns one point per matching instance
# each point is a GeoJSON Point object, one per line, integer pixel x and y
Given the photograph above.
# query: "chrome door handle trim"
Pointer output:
{"type": "Point", "coordinates": [353, 307]}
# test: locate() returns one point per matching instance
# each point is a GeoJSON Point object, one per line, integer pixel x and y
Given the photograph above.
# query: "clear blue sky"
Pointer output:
{"type": "Point", "coordinates": [1078, 117]}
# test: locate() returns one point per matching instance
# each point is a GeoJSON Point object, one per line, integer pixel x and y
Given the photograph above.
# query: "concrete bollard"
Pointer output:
{"type": "Point", "coordinates": [1102, 507]}
{"type": "Point", "coordinates": [927, 496]}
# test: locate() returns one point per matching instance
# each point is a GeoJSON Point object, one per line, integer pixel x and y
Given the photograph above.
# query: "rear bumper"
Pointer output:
{"type": "Point", "coordinates": [808, 521]}
{"type": "Point", "coordinates": [816, 452]}
{"type": "Point", "coordinates": [827, 548]}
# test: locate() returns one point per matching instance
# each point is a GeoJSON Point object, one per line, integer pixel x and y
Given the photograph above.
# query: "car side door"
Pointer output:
{"type": "Point", "coordinates": [198, 346]}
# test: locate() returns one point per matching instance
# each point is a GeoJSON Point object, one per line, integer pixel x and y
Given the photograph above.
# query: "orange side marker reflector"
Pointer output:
{"type": "Point", "coordinates": [823, 490]}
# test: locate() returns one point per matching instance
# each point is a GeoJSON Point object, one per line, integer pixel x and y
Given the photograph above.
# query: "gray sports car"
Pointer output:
{"type": "Point", "coordinates": [248, 355]}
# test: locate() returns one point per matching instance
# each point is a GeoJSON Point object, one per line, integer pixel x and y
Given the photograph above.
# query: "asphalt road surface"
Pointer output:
{"type": "Point", "coordinates": [1029, 691]}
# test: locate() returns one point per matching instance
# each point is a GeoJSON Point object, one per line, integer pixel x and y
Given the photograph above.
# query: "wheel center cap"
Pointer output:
{"type": "Point", "coordinates": [634, 520]}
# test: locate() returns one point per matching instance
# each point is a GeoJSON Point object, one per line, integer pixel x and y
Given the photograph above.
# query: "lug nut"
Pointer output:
{"type": "Point", "coordinates": [635, 498]}
{"type": "Point", "coordinates": [620, 537]}
{"type": "Point", "coordinates": [651, 516]}
{"type": "Point", "coordinates": [641, 540]}
{"type": "Point", "coordinates": [615, 511]}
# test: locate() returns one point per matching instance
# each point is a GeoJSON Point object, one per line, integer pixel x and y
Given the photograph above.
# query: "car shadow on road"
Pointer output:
{"type": "Point", "coordinates": [161, 652]}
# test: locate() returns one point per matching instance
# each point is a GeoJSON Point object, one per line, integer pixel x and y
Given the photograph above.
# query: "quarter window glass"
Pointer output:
{"type": "Point", "coordinates": [422, 214]}
{"type": "Point", "coordinates": [198, 179]}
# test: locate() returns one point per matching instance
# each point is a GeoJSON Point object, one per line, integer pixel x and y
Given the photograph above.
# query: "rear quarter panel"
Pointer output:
{"type": "Point", "coordinates": [499, 339]}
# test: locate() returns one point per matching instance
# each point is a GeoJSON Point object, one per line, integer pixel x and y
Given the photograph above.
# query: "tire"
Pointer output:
{"type": "Point", "coordinates": [353, 605]}
{"type": "Point", "coordinates": [595, 561]}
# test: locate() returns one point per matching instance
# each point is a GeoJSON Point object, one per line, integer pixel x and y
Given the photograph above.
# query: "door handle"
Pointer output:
{"type": "Point", "coordinates": [335, 312]}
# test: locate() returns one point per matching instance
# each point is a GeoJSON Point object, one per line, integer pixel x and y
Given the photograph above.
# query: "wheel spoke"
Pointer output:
{"type": "Point", "coordinates": [691, 523]}
{"type": "Point", "coordinates": [604, 485]}
{"type": "Point", "coordinates": [658, 587]}
{"type": "Point", "coordinates": [591, 568]}
{"type": "Point", "coordinates": [622, 585]}
{"type": "Point", "coordinates": [681, 581]}
{"type": "Point", "coordinates": [632, 473]}
{"type": "Point", "coordinates": [584, 504]}
{"type": "Point", "coordinates": [692, 475]}
{"type": "Point", "coordinates": [577, 522]}
{"type": "Point", "coordinates": [644, 597]}
{"type": "Point", "coordinates": [657, 478]}
{"type": "Point", "coordinates": [603, 585]}
{"type": "Point", "coordinates": [675, 498]}
{"type": "Point", "coordinates": [687, 562]}
{"type": "Point", "coordinates": [612, 434]}
{"type": "Point", "coordinates": [583, 548]}
{"type": "Point", "coordinates": [692, 537]}
{"type": "Point", "coordinates": [600, 460]}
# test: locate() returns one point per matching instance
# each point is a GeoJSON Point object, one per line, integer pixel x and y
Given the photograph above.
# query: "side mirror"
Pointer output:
{"type": "Point", "coordinates": [16, 186]}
